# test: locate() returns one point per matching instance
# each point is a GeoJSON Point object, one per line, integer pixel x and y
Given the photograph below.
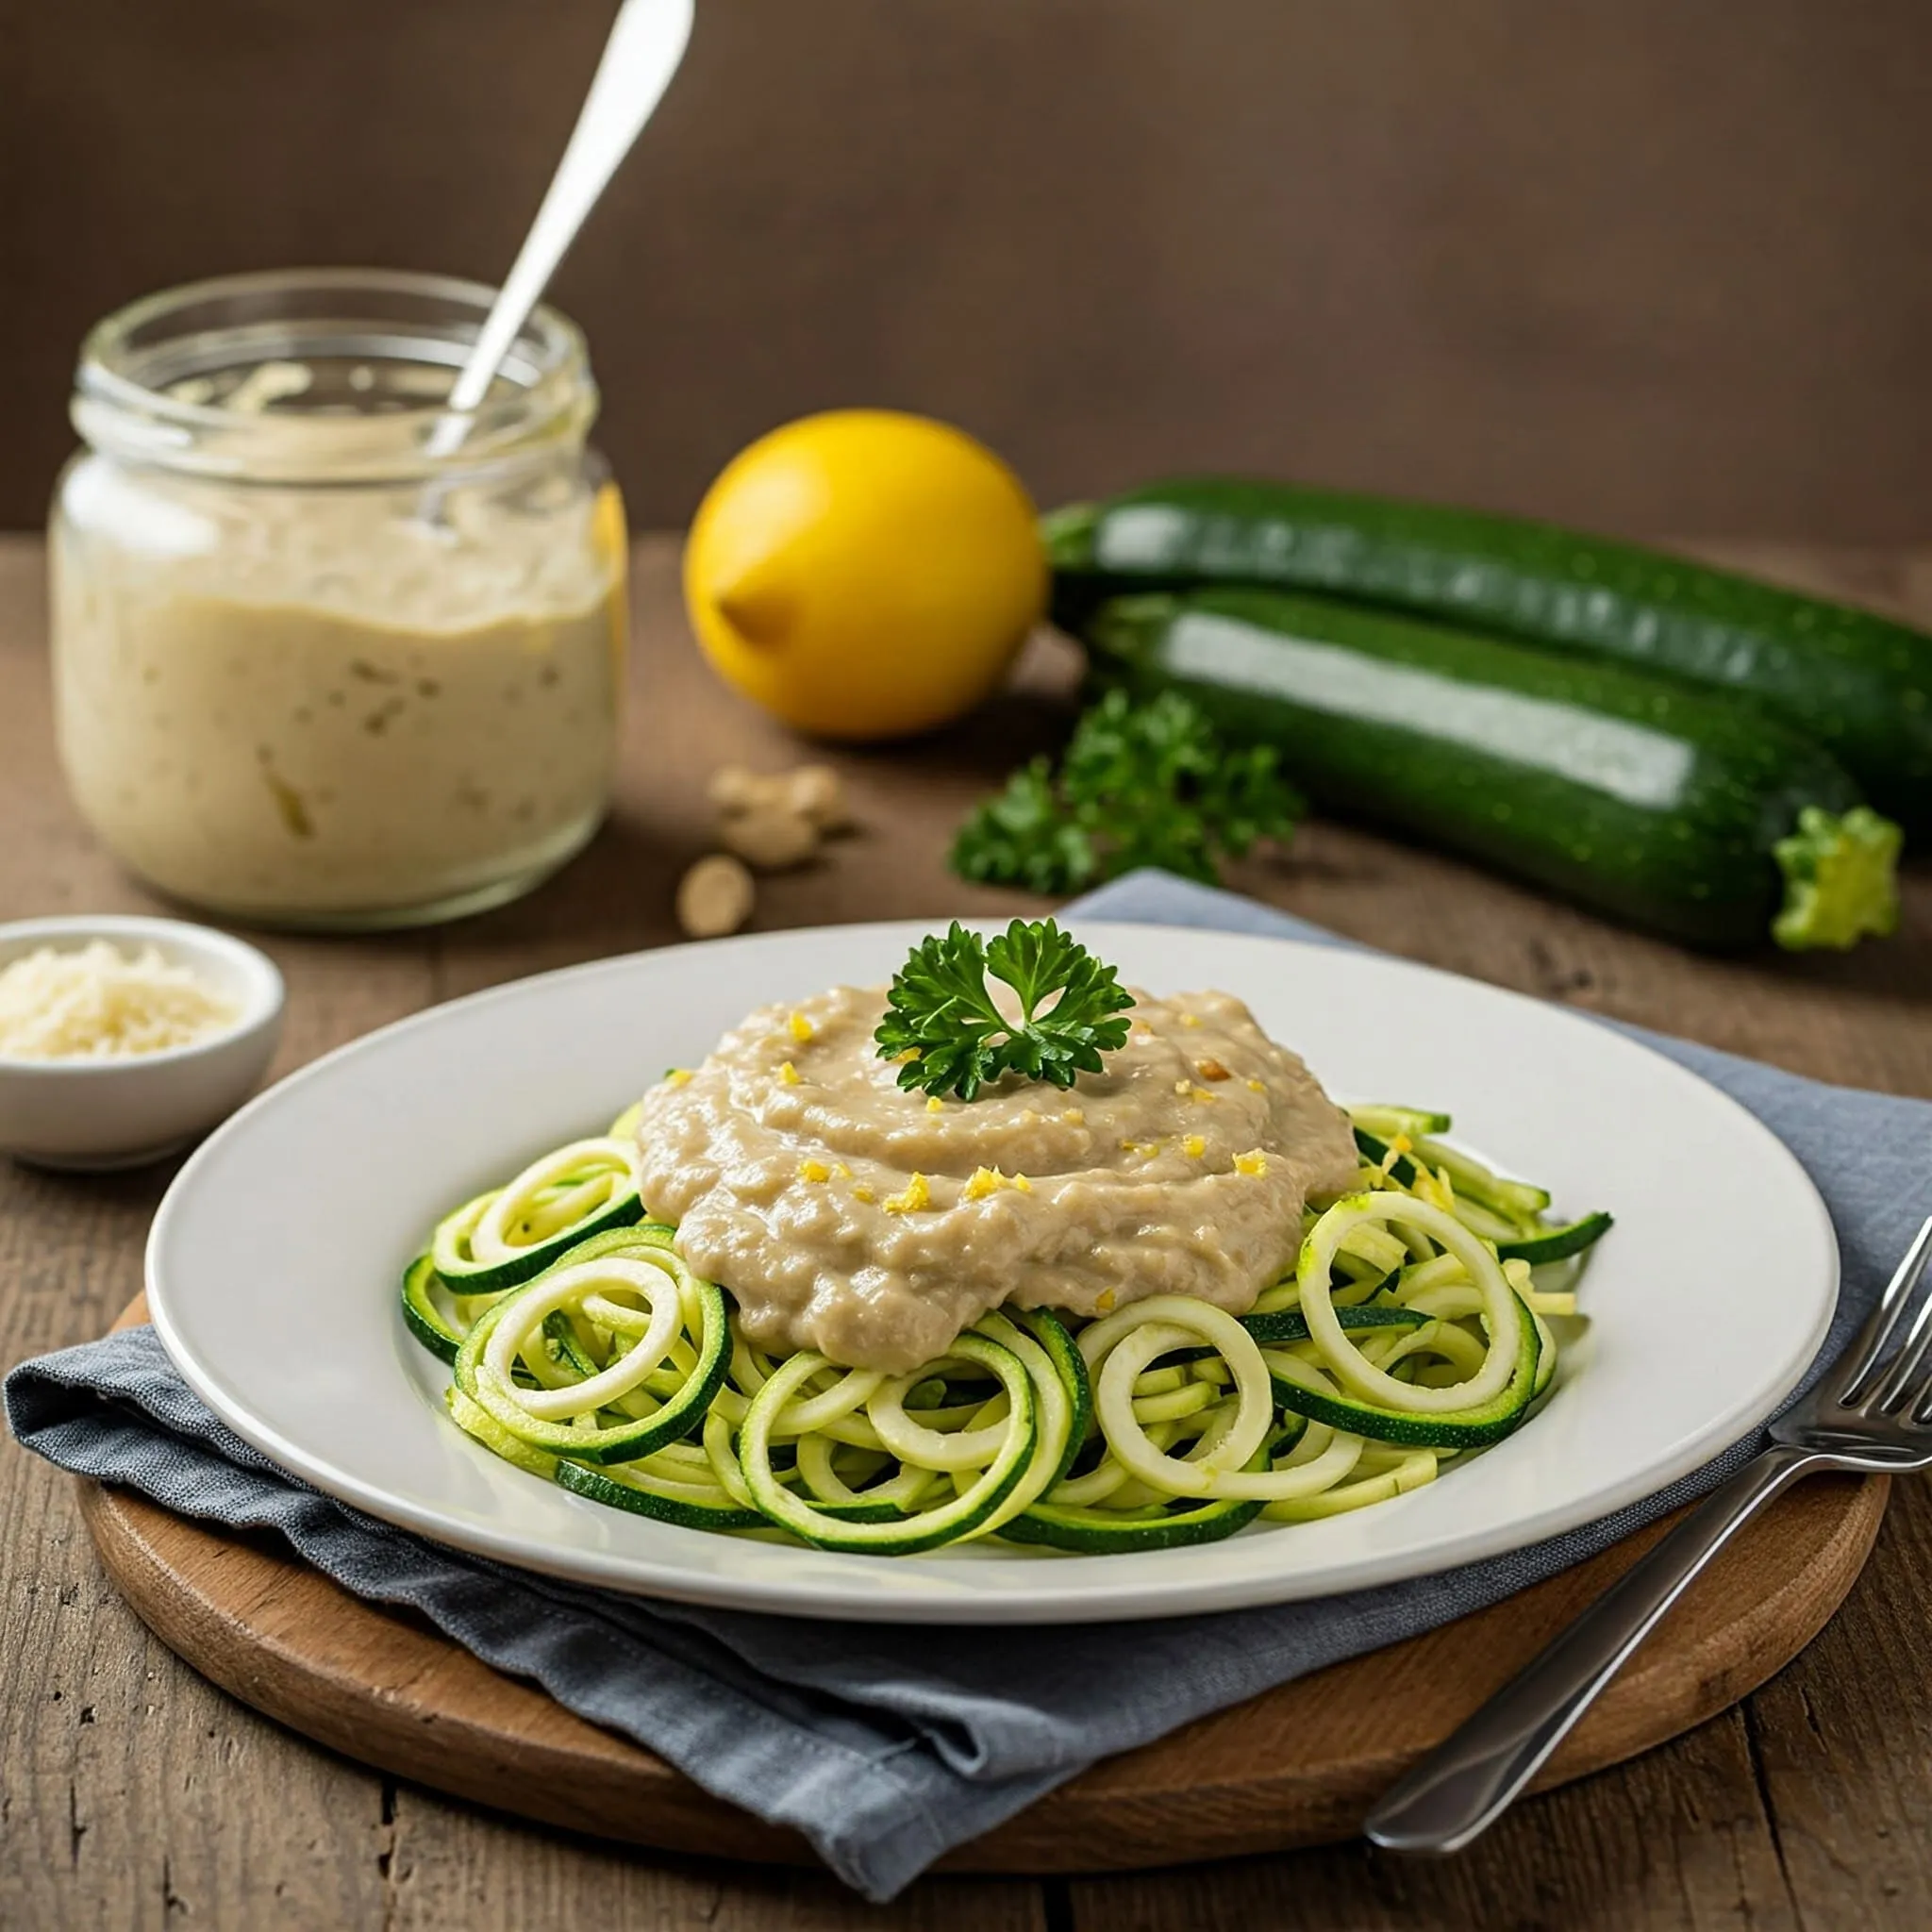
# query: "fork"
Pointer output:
{"type": "Point", "coordinates": [1871, 1412]}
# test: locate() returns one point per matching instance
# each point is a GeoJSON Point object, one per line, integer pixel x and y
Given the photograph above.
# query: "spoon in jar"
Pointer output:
{"type": "Point", "coordinates": [646, 45]}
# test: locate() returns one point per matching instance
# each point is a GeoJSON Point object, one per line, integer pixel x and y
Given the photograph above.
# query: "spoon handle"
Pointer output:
{"type": "Point", "coordinates": [646, 44]}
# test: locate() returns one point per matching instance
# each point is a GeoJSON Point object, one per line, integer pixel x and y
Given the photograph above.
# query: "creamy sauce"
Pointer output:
{"type": "Point", "coordinates": [303, 701]}
{"type": "Point", "coordinates": [874, 1226]}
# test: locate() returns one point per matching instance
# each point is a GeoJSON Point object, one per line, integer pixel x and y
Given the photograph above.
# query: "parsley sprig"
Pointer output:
{"type": "Point", "coordinates": [942, 1019]}
{"type": "Point", "coordinates": [1139, 785]}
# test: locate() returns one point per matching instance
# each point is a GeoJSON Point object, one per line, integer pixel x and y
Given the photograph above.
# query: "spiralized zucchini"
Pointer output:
{"type": "Point", "coordinates": [1412, 1327]}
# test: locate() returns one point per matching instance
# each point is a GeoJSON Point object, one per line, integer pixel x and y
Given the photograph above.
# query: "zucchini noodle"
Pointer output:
{"type": "Point", "coordinates": [1412, 1327]}
{"type": "Point", "coordinates": [1479, 1264]}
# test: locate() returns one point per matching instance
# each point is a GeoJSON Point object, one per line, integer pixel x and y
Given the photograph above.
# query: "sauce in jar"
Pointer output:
{"type": "Point", "coordinates": [305, 671]}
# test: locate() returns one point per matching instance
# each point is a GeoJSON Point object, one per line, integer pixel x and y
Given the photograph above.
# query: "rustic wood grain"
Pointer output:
{"type": "Point", "coordinates": [1842, 1744]}
{"type": "Point", "coordinates": [458, 1867]}
{"type": "Point", "coordinates": [1810, 1806]}
{"type": "Point", "coordinates": [119, 1769]}
{"type": "Point", "coordinates": [1298, 1766]}
{"type": "Point", "coordinates": [1675, 1838]}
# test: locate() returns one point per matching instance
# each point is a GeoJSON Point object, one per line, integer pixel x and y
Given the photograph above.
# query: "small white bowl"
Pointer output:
{"type": "Point", "coordinates": [122, 1112]}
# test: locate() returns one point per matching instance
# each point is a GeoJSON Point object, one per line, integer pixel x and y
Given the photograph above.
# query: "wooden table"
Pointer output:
{"type": "Point", "coordinates": [133, 1794]}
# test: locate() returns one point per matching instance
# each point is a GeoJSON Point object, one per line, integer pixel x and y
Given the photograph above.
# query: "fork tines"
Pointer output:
{"type": "Point", "coordinates": [1876, 1378]}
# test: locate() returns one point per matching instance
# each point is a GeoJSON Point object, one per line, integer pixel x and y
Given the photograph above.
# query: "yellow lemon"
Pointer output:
{"type": "Point", "coordinates": [864, 574]}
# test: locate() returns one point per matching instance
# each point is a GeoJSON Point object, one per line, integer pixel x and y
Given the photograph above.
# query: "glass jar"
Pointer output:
{"type": "Point", "coordinates": [308, 672]}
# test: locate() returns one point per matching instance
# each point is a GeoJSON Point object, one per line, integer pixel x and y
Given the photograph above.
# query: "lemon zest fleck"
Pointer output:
{"type": "Point", "coordinates": [985, 1181]}
{"type": "Point", "coordinates": [1428, 1188]}
{"type": "Point", "coordinates": [1257, 1087]}
{"type": "Point", "coordinates": [1253, 1162]}
{"type": "Point", "coordinates": [1074, 1117]}
{"type": "Point", "coordinates": [677, 1076]}
{"type": "Point", "coordinates": [863, 1193]}
{"type": "Point", "coordinates": [789, 1074]}
{"type": "Point", "coordinates": [802, 1029]}
{"type": "Point", "coordinates": [1191, 1018]}
{"type": "Point", "coordinates": [813, 1171]}
{"type": "Point", "coordinates": [935, 1105]}
{"type": "Point", "coordinates": [1105, 1304]}
{"type": "Point", "coordinates": [1195, 1146]}
{"type": "Point", "coordinates": [1023, 1184]}
{"type": "Point", "coordinates": [917, 1196]}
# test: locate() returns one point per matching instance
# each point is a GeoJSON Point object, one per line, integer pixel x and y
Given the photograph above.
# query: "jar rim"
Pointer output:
{"type": "Point", "coordinates": [134, 382]}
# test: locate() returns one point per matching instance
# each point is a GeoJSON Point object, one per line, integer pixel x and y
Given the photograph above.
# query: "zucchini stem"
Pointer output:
{"type": "Point", "coordinates": [1840, 879]}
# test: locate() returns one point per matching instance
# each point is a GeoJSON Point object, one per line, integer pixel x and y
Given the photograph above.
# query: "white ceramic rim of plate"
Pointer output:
{"type": "Point", "coordinates": [1257, 1568]}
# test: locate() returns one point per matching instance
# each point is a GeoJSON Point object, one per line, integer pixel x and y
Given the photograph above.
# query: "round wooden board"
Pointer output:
{"type": "Point", "coordinates": [1298, 1766]}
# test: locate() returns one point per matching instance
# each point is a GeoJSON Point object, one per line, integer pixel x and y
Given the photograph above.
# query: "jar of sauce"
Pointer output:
{"type": "Point", "coordinates": [307, 671]}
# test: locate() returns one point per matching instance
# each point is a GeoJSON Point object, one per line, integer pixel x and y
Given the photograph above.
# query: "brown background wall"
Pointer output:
{"type": "Point", "coordinates": [1657, 264]}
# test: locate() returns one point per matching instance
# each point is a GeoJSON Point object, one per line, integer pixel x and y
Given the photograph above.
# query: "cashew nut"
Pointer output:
{"type": "Point", "coordinates": [769, 839]}
{"type": "Point", "coordinates": [817, 793]}
{"type": "Point", "coordinates": [715, 897]}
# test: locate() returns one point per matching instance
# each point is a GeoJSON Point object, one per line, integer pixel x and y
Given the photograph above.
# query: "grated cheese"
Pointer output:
{"type": "Point", "coordinates": [99, 1003]}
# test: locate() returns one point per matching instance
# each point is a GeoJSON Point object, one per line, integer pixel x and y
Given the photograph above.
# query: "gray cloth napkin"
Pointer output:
{"type": "Point", "coordinates": [887, 1747]}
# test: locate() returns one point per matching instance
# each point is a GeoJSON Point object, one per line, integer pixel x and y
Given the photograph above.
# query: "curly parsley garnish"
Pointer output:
{"type": "Point", "coordinates": [1146, 784]}
{"type": "Point", "coordinates": [944, 1025]}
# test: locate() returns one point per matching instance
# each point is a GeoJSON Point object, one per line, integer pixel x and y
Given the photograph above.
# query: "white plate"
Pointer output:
{"type": "Point", "coordinates": [273, 1266]}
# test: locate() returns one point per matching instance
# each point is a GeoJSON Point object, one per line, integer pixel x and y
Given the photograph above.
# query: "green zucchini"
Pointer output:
{"type": "Point", "coordinates": [1556, 1243]}
{"type": "Point", "coordinates": [621, 1489]}
{"type": "Point", "coordinates": [674, 1419]}
{"type": "Point", "coordinates": [478, 1423]}
{"type": "Point", "coordinates": [969, 1511]}
{"type": "Point", "coordinates": [1284, 1325]}
{"type": "Point", "coordinates": [426, 1322]}
{"type": "Point", "coordinates": [1658, 804]}
{"type": "Point", "coordinates": [1859, 683]}
{"type": "Point", "coordinates": [464, 1275]}
{"type": "Point", "coordinates": [1391, 1121]}
{"type": "Point", "coordinates": [1064, 1352]}
{"type": "Point", "coordinates": [1173, 1526]}
{"type": "Point", "coordinates": [1113, 1532]}
{"type": "Point", "coordinates": [1515, 1201]}
{"type": "Point", "coordinates": [1519, 1233]}
{"type": "Point", "coordinates": [1456, 1428]}
{"type": "Point", "coordinates": [1378, 1153]}
{"type": "Point", "coordinates": [1415, 1469]}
